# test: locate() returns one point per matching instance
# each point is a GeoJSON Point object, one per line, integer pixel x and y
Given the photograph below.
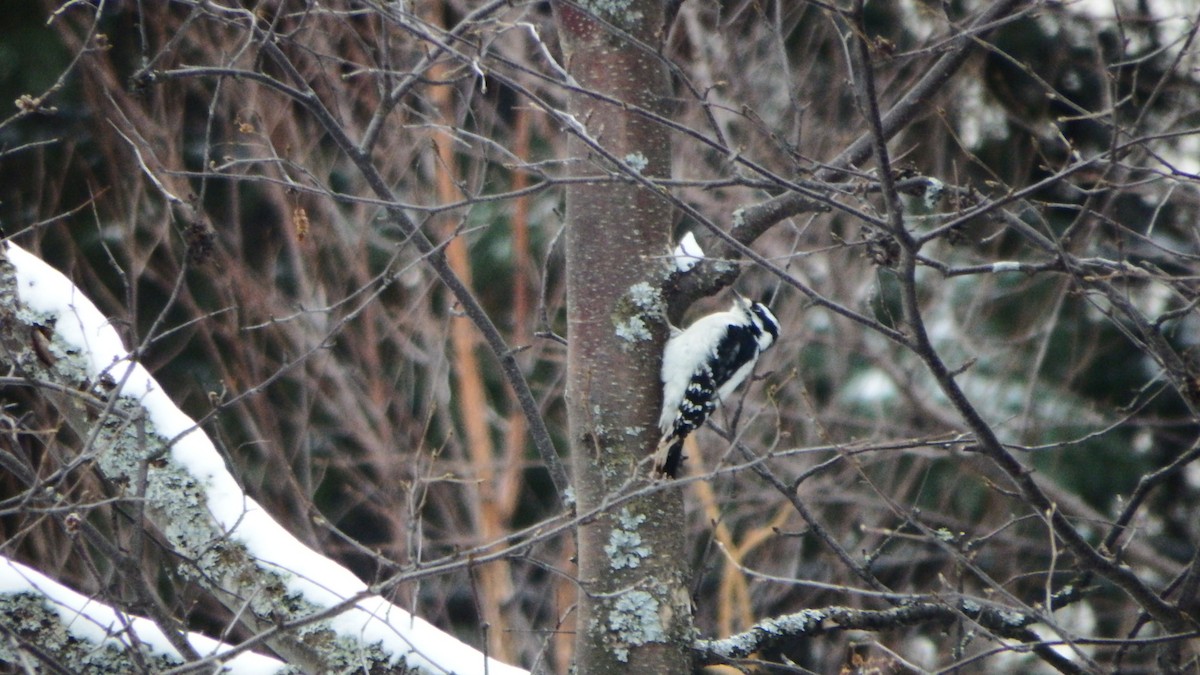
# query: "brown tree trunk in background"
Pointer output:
{"type": "Point", "coordinates": [634, 606]}
{"type": "Point", "coordinates": [490, 516]}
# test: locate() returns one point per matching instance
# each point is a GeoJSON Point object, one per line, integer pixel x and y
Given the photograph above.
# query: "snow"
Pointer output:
{"type": "Point", "coordinates": [933, 193]}
{"type": "Point", "coordinates": [1177, 10]}
{"type": "Point", "coordinates": [688, 253]}
{"type": "Point", "coordinates": [873, 387]}
{"type": "Point", "coordinates": [319, 580]}
{"type": "Point", "coordinates": [97, 623]}
{"type": "Point", "coordinates": [980, 119]}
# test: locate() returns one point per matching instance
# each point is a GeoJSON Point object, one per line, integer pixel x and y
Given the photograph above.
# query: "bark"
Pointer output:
{"type": "Point", "coordinates": [634, 608]}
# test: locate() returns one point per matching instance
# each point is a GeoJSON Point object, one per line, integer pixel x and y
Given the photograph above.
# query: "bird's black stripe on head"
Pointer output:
{"type": "Point", "coordinates": [768, 319]}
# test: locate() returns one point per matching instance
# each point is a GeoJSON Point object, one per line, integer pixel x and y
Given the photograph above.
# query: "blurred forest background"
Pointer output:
{"type": "Point", "coordinates": [1051, 182]}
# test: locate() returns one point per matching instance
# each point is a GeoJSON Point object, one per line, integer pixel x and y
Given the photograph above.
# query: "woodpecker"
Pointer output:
{"type": "Point", "coordinates": [701, 367]}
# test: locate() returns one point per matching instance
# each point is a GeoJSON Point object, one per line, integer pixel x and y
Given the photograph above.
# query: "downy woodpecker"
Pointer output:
{"type": "Point", "coordinates": [701, 367]}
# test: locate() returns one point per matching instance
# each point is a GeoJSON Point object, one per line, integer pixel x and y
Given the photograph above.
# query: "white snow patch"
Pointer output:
{"type": "Point", "coordinates": [922, 651]}
{"type": "Point", "coordinates": [981, 119]}
{"type": "Point", "coordinates": [100, 624]}
{"type": "Point", "coordinates": [871, 387]}
{"type": "Point", "coordinates": [933, 193]}
{"type": "Point", "coordinates": [688, 253]}
{"type": "Point", "coordinates": [1191, 475]}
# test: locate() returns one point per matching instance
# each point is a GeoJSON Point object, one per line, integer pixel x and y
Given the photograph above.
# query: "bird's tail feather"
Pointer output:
{"type": "Point", "coordinates": [668, 458]}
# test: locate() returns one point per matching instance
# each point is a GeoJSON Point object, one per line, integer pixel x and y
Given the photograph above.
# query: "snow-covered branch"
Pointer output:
{"type": "Point", "coordinates": [54, 622]}
{"type": "Point", "coordinates": [318, 616]}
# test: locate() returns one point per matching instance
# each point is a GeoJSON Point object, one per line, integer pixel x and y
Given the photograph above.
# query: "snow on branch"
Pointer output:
{"type": "Point", "coordinates": [688, 253]}
{"type": "Point", "coordinates": [54, 336]}
{"type": "Point", "coordinates": [68, 627]}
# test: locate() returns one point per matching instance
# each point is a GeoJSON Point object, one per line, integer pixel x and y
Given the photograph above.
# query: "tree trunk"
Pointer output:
{"type": "Point", "coordinates": [634, 607]}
